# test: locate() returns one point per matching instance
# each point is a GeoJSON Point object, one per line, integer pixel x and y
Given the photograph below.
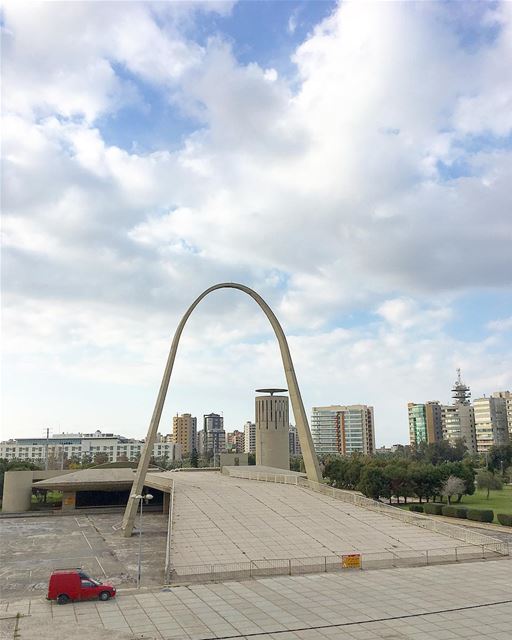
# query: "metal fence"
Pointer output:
{"type": "Point", "coordinates": [201, 573]}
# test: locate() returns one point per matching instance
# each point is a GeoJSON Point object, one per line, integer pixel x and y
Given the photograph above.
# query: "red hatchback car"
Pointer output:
{"type": "Point", "coordinates": [74, 584]}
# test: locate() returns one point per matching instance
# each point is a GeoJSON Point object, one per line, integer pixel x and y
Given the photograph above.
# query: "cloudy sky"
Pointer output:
{"type": "Point", "coordinates": [351, 162]}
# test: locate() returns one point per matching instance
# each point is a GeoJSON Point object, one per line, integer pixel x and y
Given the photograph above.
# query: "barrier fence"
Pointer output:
{"type": "Point", "coordinates": [326, 564]}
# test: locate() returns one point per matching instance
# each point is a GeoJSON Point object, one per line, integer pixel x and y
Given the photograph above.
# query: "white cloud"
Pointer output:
{"type": "Point", "coordinates": [503, 324]}
{"type": "Point", "coordinates": [324, 193]}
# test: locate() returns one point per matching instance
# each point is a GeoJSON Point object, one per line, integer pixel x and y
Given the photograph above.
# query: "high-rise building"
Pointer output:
{"type": "Point", "coordinates": [235, 441]}
{"type": "Point", "coordinates": [490, 422]}
{"type": "Point", "coordinates": [184, 432]}
{"type": "Point", "coordinates": [459, 424]}
{"type": "Point", "coordinates": [344, 429]}
{"type": "Point", "coordinates": [425, 422]}
{"type": "Point", "coordinates": [357, 430]}
{"type": "Point", "coordinates": [249, 437]}
{"type": "Point", "coordinates": [213, 436]}
{"type": "Point", "coordinates": [325, 429]}
{"type": "Point", "coordinates": [507, 396]}
{"type": "Point", "coordinates": [272, 426]}
{"type": "Point", "coordinates": [293, 438]}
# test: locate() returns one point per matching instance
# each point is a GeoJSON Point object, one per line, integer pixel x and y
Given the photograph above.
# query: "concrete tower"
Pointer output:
{"type": "Point", "coordinates": [272, 425]}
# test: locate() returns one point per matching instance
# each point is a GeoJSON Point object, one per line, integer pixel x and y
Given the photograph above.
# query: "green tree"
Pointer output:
{"type": "Point", "coordinates": [372, 482]}
{"type": "Point", "coordinates": [194, 458]}
{"type": "Point", "coordinates": [487, 480]}
{"type": "Point", "coordinates": [499, 457]}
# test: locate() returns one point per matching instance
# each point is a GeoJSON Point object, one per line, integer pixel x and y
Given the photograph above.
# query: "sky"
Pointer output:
{"type": "Point", "coordinates": [349, 161]}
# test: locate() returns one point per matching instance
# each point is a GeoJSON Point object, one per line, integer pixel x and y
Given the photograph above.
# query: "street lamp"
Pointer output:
{"type": "Point", "coordinates": [141, 497]}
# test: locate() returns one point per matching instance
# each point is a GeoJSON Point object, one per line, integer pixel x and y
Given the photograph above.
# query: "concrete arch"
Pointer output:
{"type": "Point", "coordinates": [306, 442]}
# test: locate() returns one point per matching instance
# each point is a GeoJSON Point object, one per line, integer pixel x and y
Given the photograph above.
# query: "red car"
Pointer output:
{"type": "Point", "coordinates": [74, 584]}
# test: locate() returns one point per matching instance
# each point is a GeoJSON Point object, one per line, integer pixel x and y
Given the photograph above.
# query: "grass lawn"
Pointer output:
{"type": "Point", "coordinates": [499, 501]}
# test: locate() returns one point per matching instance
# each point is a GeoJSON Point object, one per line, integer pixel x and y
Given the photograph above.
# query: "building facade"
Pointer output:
{"type": "Point", "coordinates": [425, 422]}
{"type": "Point", "coordinates": [235, 441]}
{"type": "Point", "coordinates": [491, 423]}
{"type": "Point", "coordinates": [459, 424]}
{"type": "Point", "coordinates": [343, 429]}
{"type": "Point", "coordinates": [184, 433]}
{"type": "Point", "coordinates": [507, 396]}
{"type": "Point", "coordinates": [52, 452]}
{"type": "Point", "coordinates": [249, 437]}
{"type": "Point", "coordinates": [294, 443]}
{"type": "Point", "coordinates": [213, 436]}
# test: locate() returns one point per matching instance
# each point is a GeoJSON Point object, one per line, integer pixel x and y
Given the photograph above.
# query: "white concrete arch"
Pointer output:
{"type": "Point", "coordinates": [306, 442]}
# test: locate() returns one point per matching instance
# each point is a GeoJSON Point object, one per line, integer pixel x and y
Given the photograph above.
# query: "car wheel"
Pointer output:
{"type": "Point", "coordinates": [104, 595]}
{"type": "Point", "coordinates": [62, 599]}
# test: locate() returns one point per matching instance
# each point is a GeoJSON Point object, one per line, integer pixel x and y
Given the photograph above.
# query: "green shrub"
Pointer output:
{"type": "Point", "coordinates": [461, 512]}
{"type": "Point", "coordinates": [449, 510]}
{"type": "Point", "coordinates": [416, 507]}
{"type": "Point", "coordinates": [433, 508]}
{"type": "Point", "coordinates": [505, 518]}
{"type": "Point", "coordinates": [480, 515]}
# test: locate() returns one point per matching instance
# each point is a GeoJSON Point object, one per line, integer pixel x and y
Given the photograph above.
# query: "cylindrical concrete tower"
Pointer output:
{"type": "Point", "coordinates": [272, 427]}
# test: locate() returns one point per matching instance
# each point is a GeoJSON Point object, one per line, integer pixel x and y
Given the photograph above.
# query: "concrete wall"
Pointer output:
{"type": "Point", "coordinates": [17, 491]}
{"type": "Point", "coordinates": [230, 459]}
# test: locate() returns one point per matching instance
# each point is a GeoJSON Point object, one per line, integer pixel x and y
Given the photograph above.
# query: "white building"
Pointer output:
{"type": "Point", "coordinates": [63, 446]}
{"type": "Point", "coordinates": [344, 429]}
{"type": "Point", "coordinates": [491, 424]}
{"type": "Point", "coordinates": [249, 437]}
{"type": "Point", "coordinates": [458, 422]}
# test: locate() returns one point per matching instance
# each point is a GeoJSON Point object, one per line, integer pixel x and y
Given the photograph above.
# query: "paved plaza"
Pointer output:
{"type": "Point", "coordinates": [33, 546]}
{"type": "Point", "coordinates": [471, 601]}
{"type": "Point", "coordinates": [220, 519]}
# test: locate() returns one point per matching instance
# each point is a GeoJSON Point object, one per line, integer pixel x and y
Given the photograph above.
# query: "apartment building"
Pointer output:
{"type": "Point", "coordinates": [344, 429]}
{"type": "Point", "coordinates": [425, 422]}
{"type": "Point", "coordinates": [184, 433]}
{"type": "Point", "coordinates": [235, 441]}
{"type": "Point", "coordinates": [293, 441]}
{"type": "Point", "coordinates": [213, 437]}
{"type": "Point", "coordinates": [491, 425]}
{"type": "Point", "coordinates": [507, 396]}
{"type": "Point", "coordinates": [249, 437]}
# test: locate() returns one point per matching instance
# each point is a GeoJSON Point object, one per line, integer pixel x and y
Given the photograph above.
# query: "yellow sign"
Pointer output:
{"type": "Point", "coordinates": [351, 561]}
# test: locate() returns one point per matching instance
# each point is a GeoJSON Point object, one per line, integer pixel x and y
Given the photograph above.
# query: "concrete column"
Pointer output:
{"type": "Point", "coordinates": [17, 494]}
{"type": "Point", "coordinates": [69, 501]}
{"type": "Point", "coordinates": [167, 502]}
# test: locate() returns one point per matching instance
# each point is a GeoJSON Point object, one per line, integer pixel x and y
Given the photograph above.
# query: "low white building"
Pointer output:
{"type": "Point", "coordinates": [79, 445]}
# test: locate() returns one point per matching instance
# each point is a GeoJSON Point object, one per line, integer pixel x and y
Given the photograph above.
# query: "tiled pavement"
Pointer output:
{"type": "Point", "coordinates": [471, 601]}
{"type": "Point", "coordinates": [218, 519]}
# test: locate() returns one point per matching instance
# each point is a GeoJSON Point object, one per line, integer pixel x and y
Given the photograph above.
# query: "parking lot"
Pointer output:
{"type": "Point", "coordinates": [34, 546]}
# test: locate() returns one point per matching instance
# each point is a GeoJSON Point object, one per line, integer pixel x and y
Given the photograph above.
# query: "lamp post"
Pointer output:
{"type": "Point", "coordinates": [141, 497]}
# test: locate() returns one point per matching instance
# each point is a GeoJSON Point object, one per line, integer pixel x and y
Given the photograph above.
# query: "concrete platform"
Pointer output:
{"type": "Point", "coordinates": [220, 519]}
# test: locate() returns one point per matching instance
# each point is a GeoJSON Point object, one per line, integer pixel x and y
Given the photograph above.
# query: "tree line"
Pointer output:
{"type": "Point", "coordinates": [401, 478]}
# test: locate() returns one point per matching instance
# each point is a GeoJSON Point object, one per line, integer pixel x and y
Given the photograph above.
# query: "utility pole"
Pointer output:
{"type": "Point", "coordinates": [46, 449]}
